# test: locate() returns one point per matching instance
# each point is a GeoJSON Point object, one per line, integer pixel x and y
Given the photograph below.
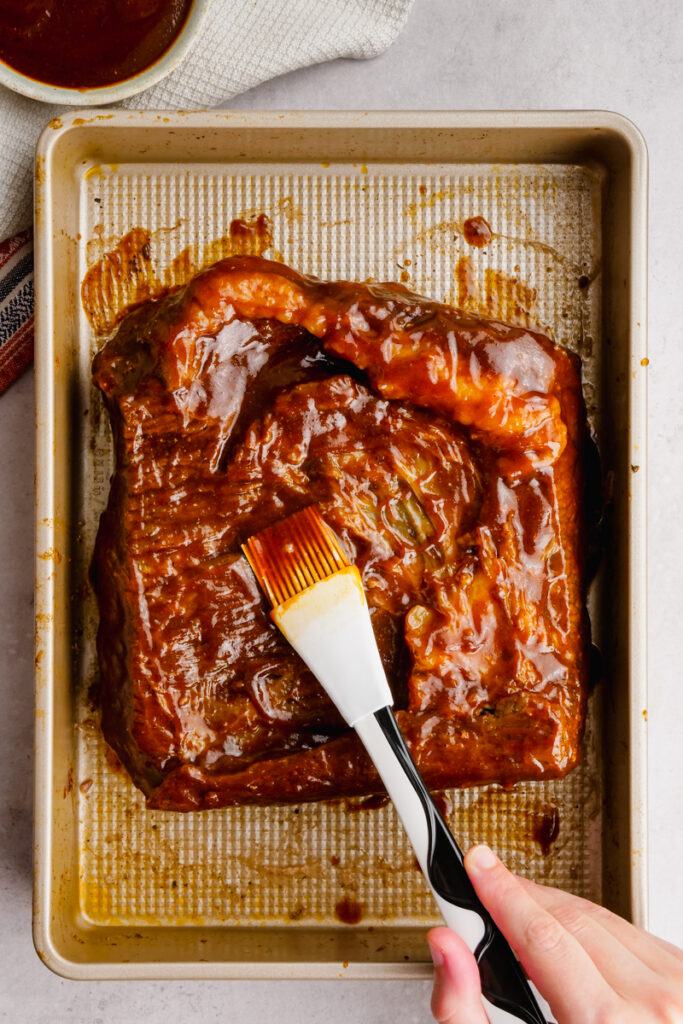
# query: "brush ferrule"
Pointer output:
{"type": "Point", "coordinates": [329, 626]}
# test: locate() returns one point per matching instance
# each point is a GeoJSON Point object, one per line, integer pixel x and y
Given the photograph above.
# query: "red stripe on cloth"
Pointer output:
{"type": "Point", "coordinates": [16, 337]}
{"type": "Point", "coordinates": [13, 244]}
{"type": "Point", "coordinates": [16, 354]}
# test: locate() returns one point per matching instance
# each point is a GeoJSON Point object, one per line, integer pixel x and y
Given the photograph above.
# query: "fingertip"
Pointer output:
{"type": "Point", "coordinates": [436, 946]}
{"type": "Point", "coordinates": [457, 987]}
{"type": "Point", "coordinates": [480, 858]}
{"type": "Point", "coordinates": [449, 943]}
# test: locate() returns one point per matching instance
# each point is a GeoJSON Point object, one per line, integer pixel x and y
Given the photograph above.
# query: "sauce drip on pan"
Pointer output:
{"type": "Point", "coordinates": [477, 232]}
{"type": "Point", "coordinates": [82, 44]}
{"type": "Point", "coordinates": [547, 829]}
{"type": "Point", "coordinates": [348, 911]}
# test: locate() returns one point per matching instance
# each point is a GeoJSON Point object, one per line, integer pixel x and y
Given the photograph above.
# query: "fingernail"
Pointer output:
{"type": "Point", "coordinates": [437, 955]}
{"type": "Point", "coordinates": [482, 858]}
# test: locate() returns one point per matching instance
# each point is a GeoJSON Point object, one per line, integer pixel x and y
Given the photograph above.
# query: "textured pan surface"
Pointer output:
{"type": "Point", "coordinates": [542, 266]}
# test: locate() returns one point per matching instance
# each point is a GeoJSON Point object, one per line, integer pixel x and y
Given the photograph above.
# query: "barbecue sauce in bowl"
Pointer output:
{"type": "Point", "coordinates": [81, 44]}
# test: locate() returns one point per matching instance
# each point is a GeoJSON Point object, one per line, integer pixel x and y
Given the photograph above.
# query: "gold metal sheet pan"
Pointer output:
{"type": "Point", "coordinates": [248, 891]}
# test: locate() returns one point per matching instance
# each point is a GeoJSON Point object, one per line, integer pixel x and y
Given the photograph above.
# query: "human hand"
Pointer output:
{"type": "Point", "coordinates": [592, 966]}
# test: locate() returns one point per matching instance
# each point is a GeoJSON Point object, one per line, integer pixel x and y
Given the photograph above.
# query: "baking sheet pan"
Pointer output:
{"type": "Point", "coordinates": [246, 892]}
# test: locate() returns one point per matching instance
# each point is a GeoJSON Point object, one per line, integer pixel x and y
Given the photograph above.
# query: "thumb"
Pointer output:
{"type": "Point", "coordinates": [456, 998]}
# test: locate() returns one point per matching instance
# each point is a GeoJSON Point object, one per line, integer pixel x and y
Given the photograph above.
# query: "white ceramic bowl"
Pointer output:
{"type": "Point", "coordinates": [97, 96]}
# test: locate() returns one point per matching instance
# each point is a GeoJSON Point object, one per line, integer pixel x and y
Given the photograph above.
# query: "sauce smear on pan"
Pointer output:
{"type": "Point", "coordinates": [80, 44]}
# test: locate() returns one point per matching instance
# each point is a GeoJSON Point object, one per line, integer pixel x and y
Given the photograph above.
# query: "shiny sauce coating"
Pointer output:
{"type": "Point", "coordinates": [444, 451]}
{"type": "Point", "coordinates": [81, 44]}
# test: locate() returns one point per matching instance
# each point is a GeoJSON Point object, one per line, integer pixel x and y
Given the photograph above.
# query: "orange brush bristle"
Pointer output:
{"type": "Point", "coordinates": [293, 555]}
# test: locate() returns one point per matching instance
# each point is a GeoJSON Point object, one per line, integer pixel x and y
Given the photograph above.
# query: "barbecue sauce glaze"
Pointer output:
{"type": "Point", "coordinates": [444, 451]}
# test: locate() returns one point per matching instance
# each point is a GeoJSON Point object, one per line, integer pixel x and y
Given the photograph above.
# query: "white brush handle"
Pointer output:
{"type": "Point", "coordinates": [506, 994]}
{"type": "Point", "coordinates": [329, 625]}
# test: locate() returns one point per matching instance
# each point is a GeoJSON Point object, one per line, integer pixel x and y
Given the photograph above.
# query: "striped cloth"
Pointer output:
{"type": "Point", "coordinates": [16, 306]}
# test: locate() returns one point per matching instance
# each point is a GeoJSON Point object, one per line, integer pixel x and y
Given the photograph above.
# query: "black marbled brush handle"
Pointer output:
{"type": "Point", "coordinates": [506, 991]}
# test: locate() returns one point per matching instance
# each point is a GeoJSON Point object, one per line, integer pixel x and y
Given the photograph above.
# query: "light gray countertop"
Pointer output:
{"type": "Point", "coordinates": [623, 55]}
